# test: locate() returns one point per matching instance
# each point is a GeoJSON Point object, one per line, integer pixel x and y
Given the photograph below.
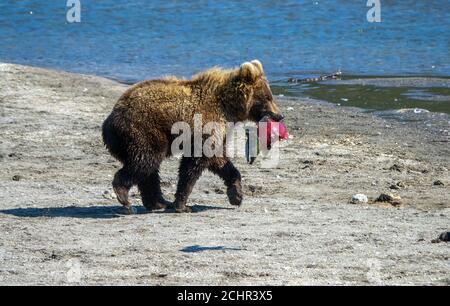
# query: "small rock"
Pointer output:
{"type": "Point", "coordinates": [254, 189]}
{"type": "Point", "coordinates": [401, 184]}
{"type": "Point", "coordinates": [443, 237]}
{"type": "Point", "coordinates": [16, 177]}
{"type": "Point", "coordinates": [359, 198]}
{"type": "Point", "coordinates": [219, 191]}
{"type": "Point", "coordinates": [109, 195]}
{"type": "Point", "coordinates": [290, 108]}
{"type": "Point", "coordinates": [55, 256]}
{"type": "Point", "coordinates": [397, 186]}
{"type": "Point", "coordinates": [166, 184]}
{"type": "Point", "coordinates": [389, 198]}
{"type": "Point", "coordinates": [396, 167]}
{"type": "Point", "coordinates": [384, 198]}
{"type": "Point", "coordinates": [438, 183]}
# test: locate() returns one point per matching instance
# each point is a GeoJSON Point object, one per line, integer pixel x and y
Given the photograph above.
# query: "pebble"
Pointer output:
{"type": "Point", "coordinates": [109, 195]}
{"type": "Point", "coordinates": [359, 198]}
{"type": "Point", "coordinates": [397, 186]}
{"type": "Point", "coordinates": [443, 237]}
{"type": "Point", "coordinates": [254, 189]}
{"type": "Point", "coordinates": [396, 167]}
{"type": "Point", "coordinates": [390, 198]}
{"type": "Point", "coordinates": [438, 183]}
{"type": "Point", "coordinates": [16, 177]}
{"type": "Point", "coordinates": [219, 191]}
{"type": "Point", "coordinates": [290, 108]}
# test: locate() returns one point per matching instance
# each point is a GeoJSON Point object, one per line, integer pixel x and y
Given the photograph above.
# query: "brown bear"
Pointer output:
{"type": "Point", "coordinates": [138, 131]}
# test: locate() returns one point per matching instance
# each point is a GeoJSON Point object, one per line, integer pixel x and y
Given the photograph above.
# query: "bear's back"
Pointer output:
{"type": "Point", "coordinates": [170, 99]}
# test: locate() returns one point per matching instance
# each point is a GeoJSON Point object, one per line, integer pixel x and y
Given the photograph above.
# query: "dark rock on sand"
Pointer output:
{"type": "Point", "coordinates": [389, 198]}
{"type": "Point", "coordinates": [397, 186]}
{"type": "Point", "coordinates": [443, 237]}
{"type": "Point", "coordinates": [219, 191]}
{"type": "Point", "coordinates": [17, 177]}
{"type": "Point", "coordinates": [438, 183]}
{"type": "Point", "coordinates": [253, 190]}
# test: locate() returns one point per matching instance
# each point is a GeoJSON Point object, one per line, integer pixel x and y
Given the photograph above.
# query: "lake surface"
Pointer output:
{"type": "Point", "coordinates": [136, 40]}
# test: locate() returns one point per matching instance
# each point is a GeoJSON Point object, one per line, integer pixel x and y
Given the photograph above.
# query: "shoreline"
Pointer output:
{"type": "Point", "coordinates": [422, 81]}
{"type": "Point", "coordinates": [296, 225]}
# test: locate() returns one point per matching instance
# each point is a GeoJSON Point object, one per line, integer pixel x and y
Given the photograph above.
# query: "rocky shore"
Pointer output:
{"type": "Point", "coordinates": [299, 224]}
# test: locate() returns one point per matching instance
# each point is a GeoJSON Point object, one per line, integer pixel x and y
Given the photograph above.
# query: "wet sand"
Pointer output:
{"type": "Point", "coordinates": [59, 223]}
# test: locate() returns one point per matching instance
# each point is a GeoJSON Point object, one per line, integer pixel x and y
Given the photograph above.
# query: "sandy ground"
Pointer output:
{"type": "Point", "coordinates": [296, 227]}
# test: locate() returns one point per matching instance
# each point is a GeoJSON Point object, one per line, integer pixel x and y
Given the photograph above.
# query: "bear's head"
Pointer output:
{"type": "Point", "coordinates": [259, 98]}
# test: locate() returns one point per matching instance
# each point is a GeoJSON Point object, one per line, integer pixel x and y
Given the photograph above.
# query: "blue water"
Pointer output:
{"type": "Point", "coordinates": [135, 40]}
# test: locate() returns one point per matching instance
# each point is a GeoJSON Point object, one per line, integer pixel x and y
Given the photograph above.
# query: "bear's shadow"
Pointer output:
{"type": "Point", "coordinates": [92, 212]}
{"type": "Point", "coordinates": [197, 248]}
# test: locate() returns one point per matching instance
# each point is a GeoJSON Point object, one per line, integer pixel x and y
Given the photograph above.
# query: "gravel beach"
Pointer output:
{"type": "Point", "coordinates": [60, 223]}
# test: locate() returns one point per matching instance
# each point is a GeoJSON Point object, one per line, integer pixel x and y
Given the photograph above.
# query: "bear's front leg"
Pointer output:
{"type": "Point", "coordinates": [225, 169]}
{"type": "Point", "coordinates": [190, 170]}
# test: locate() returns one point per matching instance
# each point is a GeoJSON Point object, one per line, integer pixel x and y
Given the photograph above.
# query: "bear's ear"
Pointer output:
{"type": "Point", "coordinates": [248, 72]}
{"type": "Point", "coordinates": [258, 65]}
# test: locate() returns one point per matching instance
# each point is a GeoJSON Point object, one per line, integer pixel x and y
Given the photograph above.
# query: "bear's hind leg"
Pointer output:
{"type": "Point", "coordinates": [150, 189]}
{"type": "Point", "coordinates": [122, 184]}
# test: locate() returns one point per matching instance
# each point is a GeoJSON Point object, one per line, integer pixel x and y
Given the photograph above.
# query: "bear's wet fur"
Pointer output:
{"type": "Point", "coordinates": [138, 130]}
